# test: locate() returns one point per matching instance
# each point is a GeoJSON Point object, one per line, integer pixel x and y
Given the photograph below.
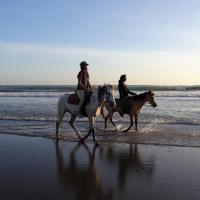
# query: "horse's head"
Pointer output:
{"type": "Point", "coordinates": [150, 98]}
{"type": "Point", "coordinates": [106, 93]}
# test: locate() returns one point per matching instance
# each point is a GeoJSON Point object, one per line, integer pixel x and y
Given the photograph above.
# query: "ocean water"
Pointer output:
{"type": "Point", "coordinates": [31, 111]}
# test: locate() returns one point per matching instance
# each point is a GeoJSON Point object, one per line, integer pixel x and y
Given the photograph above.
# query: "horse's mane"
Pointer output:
{"type": "Point", "coordinates": [141, 96]}
{"type": "Point", "coordinates": [101, 90]}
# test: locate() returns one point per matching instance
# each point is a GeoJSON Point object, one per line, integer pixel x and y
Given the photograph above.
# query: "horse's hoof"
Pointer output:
{"type": "Point", "coordinates": [96, 143]}
{"type": "Point", "coordinates": [82, 140]}
{"type": "Point", "coordinates": [57, 138]}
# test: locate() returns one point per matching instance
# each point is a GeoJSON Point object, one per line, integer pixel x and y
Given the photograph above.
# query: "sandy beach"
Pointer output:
{"type": "Point", "coordinates": [40, 168]}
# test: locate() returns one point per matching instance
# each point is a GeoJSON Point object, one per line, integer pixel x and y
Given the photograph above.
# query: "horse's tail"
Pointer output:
{"type": "Point", "coordinates": [61, 109]}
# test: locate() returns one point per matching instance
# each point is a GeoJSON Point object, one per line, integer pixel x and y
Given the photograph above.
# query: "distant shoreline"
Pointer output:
{"type": "Point", "coordinates": [26, 88]}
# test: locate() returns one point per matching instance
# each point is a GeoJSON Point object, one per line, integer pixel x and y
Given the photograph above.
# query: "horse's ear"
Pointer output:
{"type": "Point", "coordinates": [151, 93]}
{"type": "Point", "coordinates": [99, 87]}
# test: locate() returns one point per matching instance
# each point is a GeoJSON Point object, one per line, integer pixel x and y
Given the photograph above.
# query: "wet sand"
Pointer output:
{"type": "Point", "coordinates": [154, 134]}
{"type": "Point", "coordinates": [40, 168]}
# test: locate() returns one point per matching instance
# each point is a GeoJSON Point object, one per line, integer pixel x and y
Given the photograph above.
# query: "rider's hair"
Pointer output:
{"type": "Point", "coordinates": [122, 77]}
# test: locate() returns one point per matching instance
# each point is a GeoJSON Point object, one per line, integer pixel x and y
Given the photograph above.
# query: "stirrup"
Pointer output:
{"type": "Point", "coordinates": [121, 114]}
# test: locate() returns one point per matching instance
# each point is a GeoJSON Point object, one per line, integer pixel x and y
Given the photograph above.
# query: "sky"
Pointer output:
{"type": "Point", "coordinates": [154, 42]}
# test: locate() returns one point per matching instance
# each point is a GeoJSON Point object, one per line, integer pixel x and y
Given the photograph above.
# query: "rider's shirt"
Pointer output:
{"type": "Point", "coordinates": [123, 90]}
{"type": "Point", "coordinates": [84, 77]}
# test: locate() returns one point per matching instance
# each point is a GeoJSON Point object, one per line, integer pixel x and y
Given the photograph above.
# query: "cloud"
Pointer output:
{"type": "Point", "coordinates": [135, 58]}
{"type": "Point", "coordinates": [143, 67]}
{"type": "Point", "coordinates": [62, 50]}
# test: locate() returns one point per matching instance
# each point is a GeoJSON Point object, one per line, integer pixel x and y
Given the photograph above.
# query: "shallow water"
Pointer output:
{"type": "Point", "coordinates": [31, 111]}
{"type": "Point", "coordinates": [38, 168]}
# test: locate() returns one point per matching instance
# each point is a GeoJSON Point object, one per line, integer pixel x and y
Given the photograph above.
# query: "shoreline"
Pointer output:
{"type": "Point", "coordinates": [64, 138]}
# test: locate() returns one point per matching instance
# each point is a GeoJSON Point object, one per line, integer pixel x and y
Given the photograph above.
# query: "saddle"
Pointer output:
{"type": "Point", "coordinates": [73, 99]}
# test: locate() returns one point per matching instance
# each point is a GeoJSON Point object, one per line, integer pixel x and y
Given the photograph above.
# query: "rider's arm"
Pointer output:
{"type": "Point", "coordinates": [90, 87]}
{"type": "Point", "coordinates": [132, 93]}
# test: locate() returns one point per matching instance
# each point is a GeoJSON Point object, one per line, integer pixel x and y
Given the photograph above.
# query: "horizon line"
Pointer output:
{"type": "Point", "coordinates": [95, 85]}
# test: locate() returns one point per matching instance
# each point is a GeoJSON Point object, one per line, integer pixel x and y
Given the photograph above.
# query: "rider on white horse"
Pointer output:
{"type": "Point", "coordinates": [91, 104]}
{"type": "Point", "coordinates": [84, 89]}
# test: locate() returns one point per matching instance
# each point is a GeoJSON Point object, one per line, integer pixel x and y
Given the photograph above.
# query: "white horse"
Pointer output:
{"type": "Point", "coordinates": [93, 109]}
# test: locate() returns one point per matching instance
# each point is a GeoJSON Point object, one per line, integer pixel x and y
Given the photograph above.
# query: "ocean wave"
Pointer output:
{"type": "Point", "coordinates": [31, 94]}
{"type": "Point", "coordinates": [165, 94]}
{"type": "Point", "coordinates": [164, 88]}
{"type": "Point", "coordinates": [41, 119]}
{"type": "Point", "coordinates": [67, 88]}
{"type": "Point", "coordinates": [36, 88]}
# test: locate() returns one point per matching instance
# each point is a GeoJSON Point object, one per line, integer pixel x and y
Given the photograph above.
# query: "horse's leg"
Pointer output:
{"type": "Point", "coordinates": [93, 132]}
{"type": "Point", "coordinates": [59, 120]}
{"type": "Point", "coordinates": [112, 122]}
{"type": "Point", "coordinates": [83, 139]}
{"type": "Point", "coordinates": [102, 113]}
{"type": "Point", "coordinates": [105, 122]}
{"type": "Point", "coordinates": [61, 112]}
{"type": "Point", "coordinates": [131, 121]}
{"type": "Point", "coordinates": [92, 121]}
{"type": "Point", "coordinates": [57, 128]}
{"type": "Point", "coordinates": [111, 115]}
{"type": "Point", "coordinates": [71, 123]}
{"type": "Point", "coordinates": [136, 122]}
{"type": "Point", "coordinates": [104, 117]}
{"type": "Point", "coordinates": [94, 140]}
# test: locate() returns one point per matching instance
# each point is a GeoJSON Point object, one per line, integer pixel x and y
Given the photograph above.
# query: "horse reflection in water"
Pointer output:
{"type": "Point", "coordinates": [130, 163]}
{"type": "Point", "coordinates": [86, 180]}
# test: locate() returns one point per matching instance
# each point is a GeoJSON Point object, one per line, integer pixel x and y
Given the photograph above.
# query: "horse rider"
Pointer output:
{"type": "Point", "coordinates": [84, 85]}
{"type": "Point", "coordinates": [124, 94]}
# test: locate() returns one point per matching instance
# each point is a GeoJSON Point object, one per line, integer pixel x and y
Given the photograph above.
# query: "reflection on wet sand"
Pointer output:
{"type": "Point", "coordinates": [130, 161]}
{"type": "Point", "coordinates": [86, 180]}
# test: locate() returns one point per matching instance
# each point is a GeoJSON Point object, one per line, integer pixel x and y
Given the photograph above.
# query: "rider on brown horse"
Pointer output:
{"type": "Point", "coordinates": [124, 94]}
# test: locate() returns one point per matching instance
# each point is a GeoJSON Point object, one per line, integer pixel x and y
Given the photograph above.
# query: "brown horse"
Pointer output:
{"type": "Point", "coordinates": [131, 106]}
